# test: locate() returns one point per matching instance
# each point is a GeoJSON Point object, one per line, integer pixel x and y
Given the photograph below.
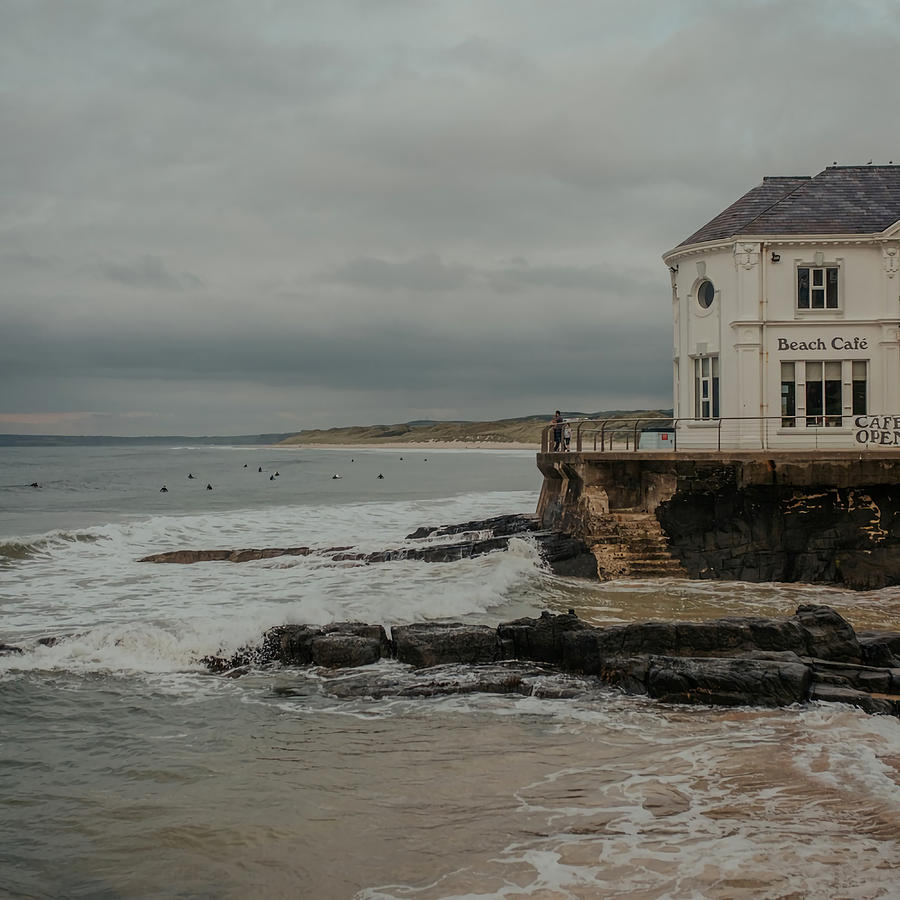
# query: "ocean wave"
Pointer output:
{"type": "Point", "coordinates": [30, 547]}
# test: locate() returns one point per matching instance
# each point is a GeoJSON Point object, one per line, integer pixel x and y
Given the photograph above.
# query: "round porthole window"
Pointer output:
{"type": "Point", "coordinates": [706, 293]}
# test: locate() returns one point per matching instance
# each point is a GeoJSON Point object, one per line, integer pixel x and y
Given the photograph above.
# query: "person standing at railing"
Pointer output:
{"type": "Point", "coordinates": [557, 423]}
{"type": "Point", "coordinates": [567, 436]}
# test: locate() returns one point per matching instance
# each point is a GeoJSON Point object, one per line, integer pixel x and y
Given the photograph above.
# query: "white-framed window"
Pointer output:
{"type": "Point", "coordinates": [706, 387]}
{"type": "Point", "coordinates": [820, 393]}
{"type": "Point", "coordinates": [817, 287]}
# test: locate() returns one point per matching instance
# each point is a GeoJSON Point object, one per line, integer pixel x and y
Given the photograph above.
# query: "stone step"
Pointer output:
{"type": "Point", "coordinates": [631, 543]}
{"type": "Point", "coordinates": [668, 567]}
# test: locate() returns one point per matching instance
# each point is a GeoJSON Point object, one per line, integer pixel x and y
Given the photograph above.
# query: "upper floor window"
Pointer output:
{"type": "Point", "coordinates": [817, 287]}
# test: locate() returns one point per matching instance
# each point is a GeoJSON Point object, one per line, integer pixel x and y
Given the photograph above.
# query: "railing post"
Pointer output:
{"type": "Point", "coordinates": [636, 423]}
{"type": "Point", "coordinates": [719, 437]}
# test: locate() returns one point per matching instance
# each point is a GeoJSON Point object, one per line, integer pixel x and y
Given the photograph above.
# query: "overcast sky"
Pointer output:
{"type": "Point", "coordinates": [242, 217]}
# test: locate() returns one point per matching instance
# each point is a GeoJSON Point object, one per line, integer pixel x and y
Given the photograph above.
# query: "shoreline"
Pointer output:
{"type": "Point", "coordinates": [415, 445]}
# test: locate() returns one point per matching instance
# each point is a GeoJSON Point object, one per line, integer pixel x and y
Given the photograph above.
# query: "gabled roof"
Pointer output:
{"type": "Point", "coordinates": [840, 200]}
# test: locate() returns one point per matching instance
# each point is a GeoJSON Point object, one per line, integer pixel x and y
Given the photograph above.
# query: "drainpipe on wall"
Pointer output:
{"type": "Point", "coordinates": [763, 353]}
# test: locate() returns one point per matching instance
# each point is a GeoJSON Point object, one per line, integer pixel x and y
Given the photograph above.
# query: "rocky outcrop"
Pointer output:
{"type": "Point", "coordinates": [814, 654]}
{"type": "Point", "coordinates": [564, 554]}
{"type": "Point", "coordinates": [776, 532]}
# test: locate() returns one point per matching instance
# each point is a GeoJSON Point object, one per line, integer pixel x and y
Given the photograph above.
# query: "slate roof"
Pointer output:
{"type": "Point", "coordinates": [840, 200]}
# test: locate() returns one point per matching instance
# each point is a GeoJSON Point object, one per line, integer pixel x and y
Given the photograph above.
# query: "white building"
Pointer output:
{"type": "Point", "coordinates": [787, 316]}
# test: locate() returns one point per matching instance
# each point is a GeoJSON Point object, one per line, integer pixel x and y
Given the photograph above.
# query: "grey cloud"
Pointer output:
{"type": "Point", "coordinates": [149, 273]}
{"type": "Point", "coordinates": [430, 273]}
{"type": "Point", "coordinates": [394, 205]}
{"type": "Point", "coordinates": [424, 273]}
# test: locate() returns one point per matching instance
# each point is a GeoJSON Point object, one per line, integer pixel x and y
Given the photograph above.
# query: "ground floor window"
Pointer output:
{"type": "Point", "coordinates": [706, 387]}
{"type": "Point", "coordinates": [819, 393]}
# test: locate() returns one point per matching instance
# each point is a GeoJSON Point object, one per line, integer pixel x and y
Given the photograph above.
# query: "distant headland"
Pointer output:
{"type": "Point", "coordinates": [523, 432]}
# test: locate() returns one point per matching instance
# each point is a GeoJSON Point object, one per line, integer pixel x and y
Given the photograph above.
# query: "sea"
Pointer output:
{"type": "Point", "coordinates": [128, 771]}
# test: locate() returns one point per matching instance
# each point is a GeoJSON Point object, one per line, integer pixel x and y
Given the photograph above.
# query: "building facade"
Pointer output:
{"type": "Point", "coordinates": [786, 310]}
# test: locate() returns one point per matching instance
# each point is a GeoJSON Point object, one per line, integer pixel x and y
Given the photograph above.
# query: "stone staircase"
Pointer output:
{"type": "Point", "coordinates": [629, 543]}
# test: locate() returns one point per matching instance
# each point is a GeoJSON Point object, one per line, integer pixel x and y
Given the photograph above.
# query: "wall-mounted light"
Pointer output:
{"type": "Point", "coordinates": [776, 257]}
{"type": "Point", "coordinates": [673, 270]}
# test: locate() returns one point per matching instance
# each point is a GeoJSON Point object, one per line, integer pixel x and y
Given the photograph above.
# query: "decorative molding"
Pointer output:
{"type": "Point", "coordinates": [746, 255]}
{"type": "Point", "coordinates": [891, 257]}
{"type": "Point", "coordinates": [782, 240]}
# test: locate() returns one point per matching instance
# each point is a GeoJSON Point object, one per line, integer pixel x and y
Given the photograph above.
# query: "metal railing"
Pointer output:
{"type": "Point", "coordinates": [798, 432]}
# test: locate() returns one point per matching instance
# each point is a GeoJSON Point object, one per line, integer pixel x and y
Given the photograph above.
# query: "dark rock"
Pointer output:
{"type": "Point", "coordinates": [729, 636]}
{"type": "Point", "coordinates": [430, 644]}
{"type": "Point", "coordinates": [291, 645]}
{"type": "Point", "coordinates": [550, 639]}
{"type": "Point", "coordinates": [193, 556]}
{"type": "Point", "coordinates": [879, 648]}
{"type": "Point", "coordinates": [434, 681]}
{"type": "Point", "coordinates": [564, 554]}
{"type": "Point", "coordinates": [777, 532]}
{"type": "Point", "coordinates": [497, 525]}
{"type": "Point", "coordinates": [729, 661]}
{"type": "Point", "coordinates": [727, 682]}
{"type": "Point", "coordinates": [344, 650]}
{"type": "Point", "coordinates": [337, 645]}
{"type": "Point", "coordinates": [828, 635]}
{"type": "Point", "coordinates": [868, 569]}
{"type": "Point", "coordinates": [858, 677]}
{"type": "Point", "coordinates": [885, 706]}
{"type": "Point", "coordinates": [10, 648]}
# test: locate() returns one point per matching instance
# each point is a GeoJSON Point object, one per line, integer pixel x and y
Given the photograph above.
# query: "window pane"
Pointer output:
{"type": "Point", "coordinates": [833, 371]}
{"type": "Point", "coordinates": [705, 365]}
{"type": "Point", "coordinates": [818, 298]}
{"type": "Point", "coordinates": [788, 402]}
{"type": "Point", "coordinates": [833, 402]}
{"type": "Point", "coordinates": [803, 288]}
{"type": "Point", "coordinates": [814, 398]}
{"type": "Point", "coordinates": [814, 371]}
{"type": "Point", "coordinates": [859, 398]}
{"type": "Point", "coordinates": [859, 389]}
{"type": "Point", "coordinates": [787, 371]}
{"type": "Point", "coordinates": [715, 397]}
{"type": "Point", "coordinates": [831, 293]}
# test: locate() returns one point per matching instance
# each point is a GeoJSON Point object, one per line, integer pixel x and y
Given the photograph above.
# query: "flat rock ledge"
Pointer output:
{"type": "Point", "coordinates": [564, 554]}
{"type": "Point", "coordinates": [734, 661]}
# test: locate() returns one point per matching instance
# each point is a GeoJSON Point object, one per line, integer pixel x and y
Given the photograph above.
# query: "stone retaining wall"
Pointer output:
{"type": "Point", "coordinates": [814, 517]}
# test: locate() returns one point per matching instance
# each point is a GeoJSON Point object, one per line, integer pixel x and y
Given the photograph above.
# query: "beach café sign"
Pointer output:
{"type": "Point", "coordinates": [883, 431]}
{"type": "Point", "coordinates": [839, 342]}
